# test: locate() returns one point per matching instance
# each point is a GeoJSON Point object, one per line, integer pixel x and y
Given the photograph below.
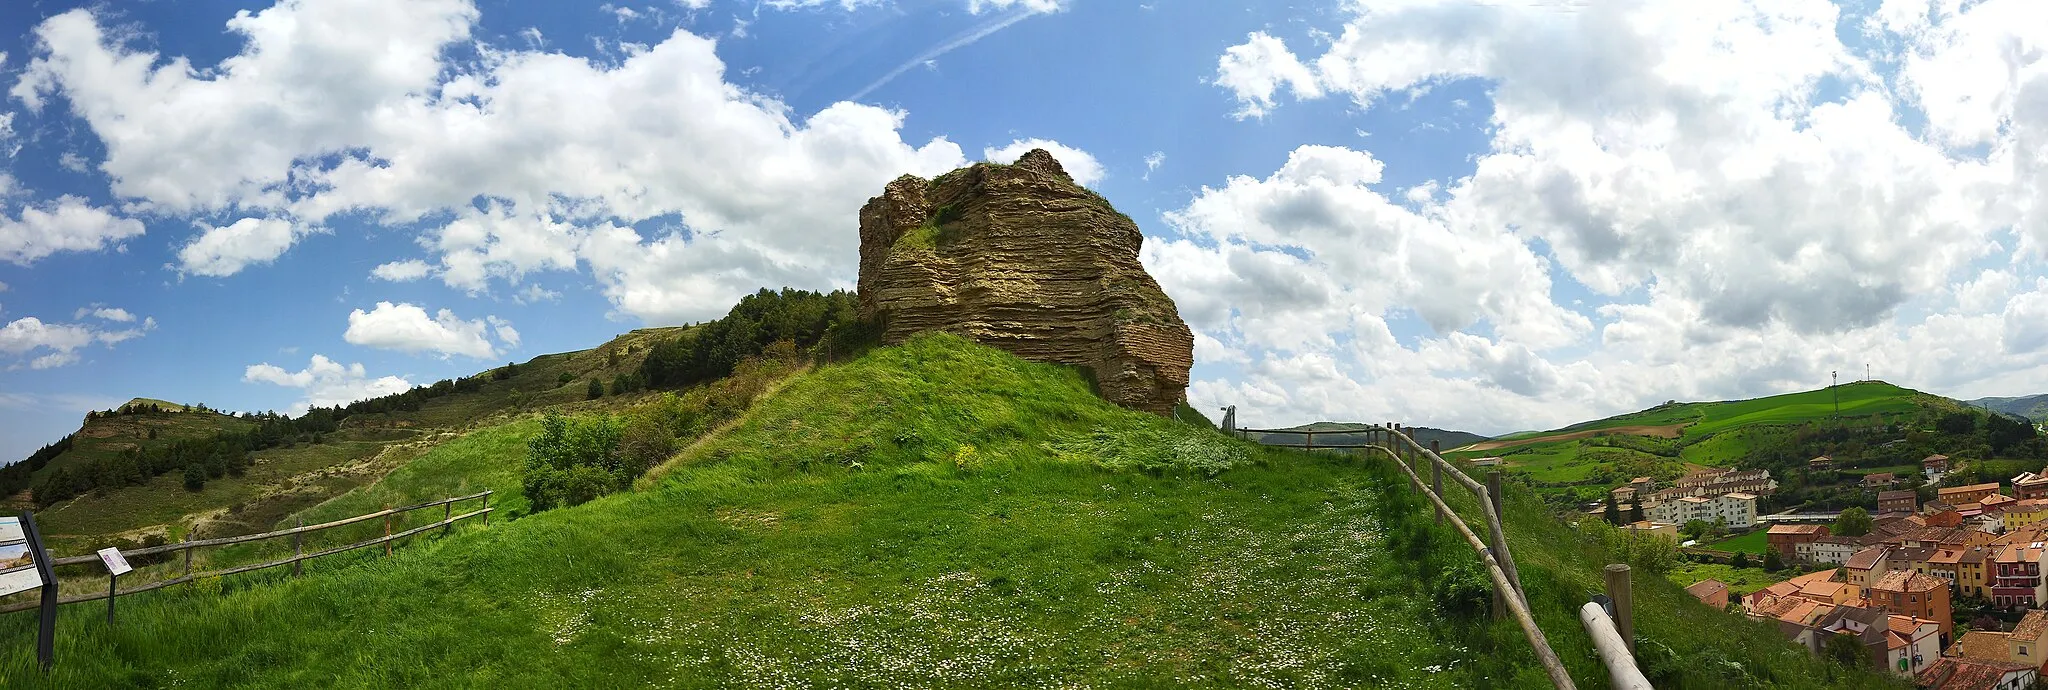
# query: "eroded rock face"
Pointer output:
{"type": "Point", "coordinates": [1020, 258]}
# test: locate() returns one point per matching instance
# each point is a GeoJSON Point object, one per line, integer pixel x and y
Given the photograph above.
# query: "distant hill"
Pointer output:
{"type": "Point", "coordinates": [305, 471]}
{"type": "Point", "coordinates": [1336, 434]}
{"type": "Point", "coordinates": [2034, 407]}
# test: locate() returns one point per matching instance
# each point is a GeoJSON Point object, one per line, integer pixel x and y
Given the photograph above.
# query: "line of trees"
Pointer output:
{"type": "Point", "coordinates": [710, 351]}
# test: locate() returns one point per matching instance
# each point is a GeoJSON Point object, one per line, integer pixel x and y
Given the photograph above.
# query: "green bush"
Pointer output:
{"type": "Point", "coordinates": [573, 461]}
{"type": "Point", "coordinates": [594, 391]}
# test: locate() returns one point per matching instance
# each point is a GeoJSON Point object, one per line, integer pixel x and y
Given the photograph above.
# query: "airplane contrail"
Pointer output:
{"type": "Point", "coordinates": [958, 40]}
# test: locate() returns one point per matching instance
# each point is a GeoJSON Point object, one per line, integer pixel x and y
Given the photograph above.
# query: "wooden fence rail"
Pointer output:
{"type": "Point", "coordinates": [298, 556]}
{"type": "Point", "coordinates": [1509, 599]}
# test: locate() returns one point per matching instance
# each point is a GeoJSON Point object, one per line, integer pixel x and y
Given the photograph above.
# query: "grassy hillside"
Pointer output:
{"type": "Point", "coordinates": [2034, 407]}
{"type": "Point", "coordinates": [299, 475]}
{"type": "Point", "coordinates": [1668, 440]}
{"type": "Point", "coordinates": [108, 436]}
{"type": "Point", "coordinates": [938, 514]}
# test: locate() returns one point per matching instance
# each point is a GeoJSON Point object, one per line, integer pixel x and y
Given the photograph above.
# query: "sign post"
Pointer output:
{"type": "Point", "coordinates": [116, 565]}
{"type": "Point", "coordinates": [24, 565]}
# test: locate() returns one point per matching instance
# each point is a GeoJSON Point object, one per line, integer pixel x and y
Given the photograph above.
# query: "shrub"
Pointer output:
{"type": "Point", "coordinates": [648, 439]}
{"type": "Point", "coordinates": [594, 391]}
{"type": "Point", "coordinates": [573, 461]}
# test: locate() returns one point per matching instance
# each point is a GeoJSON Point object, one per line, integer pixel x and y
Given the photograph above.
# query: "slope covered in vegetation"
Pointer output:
{"type": "Point", "coordinates": [938, 514]}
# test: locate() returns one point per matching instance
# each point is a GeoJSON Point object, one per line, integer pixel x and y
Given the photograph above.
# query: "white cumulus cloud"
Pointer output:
{"type": "Point", "coordinates": [1079, 164]}
{"type": "Point", "coordinates": [743, 192]}
{"type": "Point", "coordinates": [226, 250]}
{"type": "Point", "coordinates": [69, 224]}
{"type": "Point", "coordinates": [326, 383]}
{"type": "Point", "coordinates": [402, 271]}
{"type": "Point", "coordinates": [409, 328]}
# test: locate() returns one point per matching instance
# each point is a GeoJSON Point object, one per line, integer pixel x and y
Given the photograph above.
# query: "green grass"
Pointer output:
{"type": "Point", "coordinates": [1755, 542]}
{"type": "Point", "coordinates": [886, 523]}
{"type": "Point", "coordinates": [1900, 470]}
{"type": "Point", "coordinates": [1740, 581]}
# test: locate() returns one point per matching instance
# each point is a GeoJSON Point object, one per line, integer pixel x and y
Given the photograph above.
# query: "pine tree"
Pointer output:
{"type": "Point", "coordinates": [595, 390]}
{"type": "Point", "coordinates": [1772, 562]}
{"type": "Point", "coordinates": [1635, 512]}
{"type": "Point", "coordinates": [1613, 513]}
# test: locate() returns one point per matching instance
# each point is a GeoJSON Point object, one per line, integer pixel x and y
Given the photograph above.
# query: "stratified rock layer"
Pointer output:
{"type": "Point", "coordinates": [1021, 258]}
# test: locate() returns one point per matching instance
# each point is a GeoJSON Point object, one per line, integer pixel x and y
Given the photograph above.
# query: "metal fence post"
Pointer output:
{"type": "Point", "coordinates": [112, 581]}
{"type": "Point", "coordinates": [1618, 589]}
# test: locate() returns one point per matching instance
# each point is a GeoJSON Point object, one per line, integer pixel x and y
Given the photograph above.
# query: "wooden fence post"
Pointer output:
{"type": "Point", "coordinates": [1436, 480]}
{"type": "Point", "coordinates": [298, 545]}
{"type": "Point", "coordinates": [1494, 533]}
{"type": "Point", "coordinates": [387, 533]}
{"type": "Point", "coordinates": [448, 509]}
{"type": "Point", "coordinates": [188, 558]}
{"type": "Point", "coordinates": [1624, 603]}
{"type": "Point", "coordinates": [487, 514]}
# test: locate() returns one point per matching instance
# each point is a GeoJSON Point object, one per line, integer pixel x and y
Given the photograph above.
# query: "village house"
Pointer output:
{"type": "Point", "coordinates": [1996, 502]}
{"type": "Point", "coordinates": [1658, 529]}
{"type": "Point", "coordinates": [2016, 656]}
{"type": "Point", "coordinates": [1820, 463]}
{"type": "Point", "coordinates": [1902, 644]}
{"type": "Point", "coordinates": [1716, 482]}
{"type": "Point", "coordinates": [1943, 517]}
{"type": "Point", "coordinates": [1642, 485]}
{"type": "Point", "coordinates": [1865, 566]}
{"type": "Point", "coordinates": [1830, 550]}
{"type": "Point", "coordinates": [1945, 563]}
{"type": "Point", "coordinates": [1913, 594]}
{"type": "Point", "coordinates": [2016, 578]}
{"type": "Point", "coordinates": [1876, 479]}
{"type": "Point", "coordinates": [1737, 509]}
{"type": "Point", "coordinates": [1933, 466]}
{"type": "Point", "coordinates": [2030, 485]}
{"type": "Point", "coordinates": [1785, 539]}
{"type": "Point", "coordinates": [1973, 572]}
{"type": "Point", "coordinates": [2024, 645]}
{"type": "Point", "coordinates": [1711, 592]}
{"type": "Point", "coordinates": [1958, 495]}
{"type": "Point", "coordinates": [2024, 512]}
{"type": "Point", "coordinates": [1913, 558]}
{"type": "Point", "coordinates": [1681, 510]}
{"type": "Point", "coordinates": [1906, 501]}
{"type": "Point", "coordinates": [1958, 673]}
{"type": "Point", "coordinates": [1622, 494]}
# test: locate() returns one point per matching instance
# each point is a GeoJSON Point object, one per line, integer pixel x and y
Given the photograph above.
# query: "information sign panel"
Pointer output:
{"type": "Point", "coordinates": [18, 572]}
{"type": "Point", "coordinates": [116, 563]}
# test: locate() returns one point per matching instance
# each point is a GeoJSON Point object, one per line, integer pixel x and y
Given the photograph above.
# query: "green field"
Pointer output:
{"type": "Point", "coordinates": [1754, 543]}
{"type": "Point", "coordinates": [878, 523]}
{"type": "Point", "coordinates": [1716, 434]}
{"type": "Point", "coordinates": [1740, 581]}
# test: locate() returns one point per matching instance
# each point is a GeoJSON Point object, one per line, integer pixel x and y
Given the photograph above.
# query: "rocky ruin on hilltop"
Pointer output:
{"type": "Point", "coordinates": [1021, 258]}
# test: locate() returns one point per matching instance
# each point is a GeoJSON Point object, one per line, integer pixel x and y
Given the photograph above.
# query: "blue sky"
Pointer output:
{"type": "Point", "coordinates": [1477, 215]}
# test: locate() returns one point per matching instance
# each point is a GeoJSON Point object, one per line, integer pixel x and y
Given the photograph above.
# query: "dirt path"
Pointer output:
{"type": "Point", "coordinates": [1657, 431]}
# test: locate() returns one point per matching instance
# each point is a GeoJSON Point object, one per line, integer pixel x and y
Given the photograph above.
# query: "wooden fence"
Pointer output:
{"type": "Point", "coordinates": [299, 555]}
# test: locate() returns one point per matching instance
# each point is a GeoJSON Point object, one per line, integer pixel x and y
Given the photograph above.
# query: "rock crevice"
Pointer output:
{"type": "Point", "coordinates": [1021, 258]}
